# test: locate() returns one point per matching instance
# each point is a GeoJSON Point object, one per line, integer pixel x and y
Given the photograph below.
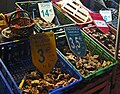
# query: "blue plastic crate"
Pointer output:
{"type": "Point", "coordinates": [4, 87]}
{"type": "Point", "coordinates": [7, 84]}
{"type": "Point", "coordinates": [19, 63]}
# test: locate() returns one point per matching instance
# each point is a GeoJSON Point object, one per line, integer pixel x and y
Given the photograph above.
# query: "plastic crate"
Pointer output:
{"type": "Point", "coordinates": [19, 63]}
{"type": "Point", "coordinates": [94, 48]}
{"type": "Point", "coordinates": [112, 31]}
{"type": "Point", "coordinates": [14, 50]}
{"type": "Point", "coordinates": [60, 19]}
{"type": "Point", "coordinates": [7, 84]}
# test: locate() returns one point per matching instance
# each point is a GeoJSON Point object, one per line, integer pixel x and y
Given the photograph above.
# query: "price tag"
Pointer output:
{"type": "Point", "coordinates": [99, 22]}
{"type": "Point", "coordinates": [75, 40]}
{"type": "Point", "coordinates": [46, 11]}
{"type": "Point", "coordinates": [43, 49]}
{"type": "Point", "coordinates": [106, 14]}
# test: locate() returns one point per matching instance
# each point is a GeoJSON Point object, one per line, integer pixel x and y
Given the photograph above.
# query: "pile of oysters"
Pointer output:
{"type": "Point", "coordinates": [38, 83]}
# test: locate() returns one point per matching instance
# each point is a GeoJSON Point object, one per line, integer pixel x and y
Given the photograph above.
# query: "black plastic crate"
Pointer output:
{"type": "Point", "coordinates": [7, 84]}
{"type": "Point", "coordinates": [14, 50]}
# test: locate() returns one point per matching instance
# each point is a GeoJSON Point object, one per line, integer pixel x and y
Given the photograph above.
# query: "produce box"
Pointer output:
{"type": "Point", "coordinates": [86, 65]}
{"type": "Point", "coordinates": [60, 19]}
{"type": "Point", "coordinates": [107, 41]}
{"type": "Point", "coordinates": [19, 65]}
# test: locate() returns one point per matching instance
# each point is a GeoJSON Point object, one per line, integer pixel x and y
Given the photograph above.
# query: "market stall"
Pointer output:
{"type": "Point", "coordinates": [60, 47]}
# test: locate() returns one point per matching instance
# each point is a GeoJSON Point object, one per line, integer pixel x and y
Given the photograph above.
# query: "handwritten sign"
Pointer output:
{"type": "Point", "coordinates": [99, 22]}
{"type": "Point", "coordinates": [46, 11]}
{"type": "Point", "coordinates": [106, 14]}
{"type": "Point", "coordinates": [75, 40]}
{"type": "Point", "coordinates": [43, 49]}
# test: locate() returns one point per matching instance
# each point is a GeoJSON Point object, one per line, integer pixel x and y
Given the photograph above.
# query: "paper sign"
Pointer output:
{"type": "Point", "coordinates": [75, 40]}
{"type": "Point", "coordinates": [43, 49]}
{"type": "Point", "coordinates": [106, 14]}
{"type": "Point", "coordinates": [99, 22]}
{"type": "Point", "coordinates": [46, 11]}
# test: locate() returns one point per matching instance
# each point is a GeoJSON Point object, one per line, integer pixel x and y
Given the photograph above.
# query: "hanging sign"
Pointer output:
{"type": "Point", "coordinates": [75, 40]}
{"type": "Point", "coordinates": [106, 14]}
{"type": "Point", "coordinates": [46, 11]}
{"type": "Point", "coordinates": [99, 22]}
{"type": "Point", "coordinates": [43, 49]}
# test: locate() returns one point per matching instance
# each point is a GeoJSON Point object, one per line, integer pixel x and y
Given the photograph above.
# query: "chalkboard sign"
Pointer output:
{"type": "Point", "coordinates": [75, 40]}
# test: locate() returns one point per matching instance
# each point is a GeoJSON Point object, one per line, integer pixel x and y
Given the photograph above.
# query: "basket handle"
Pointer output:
{"type": "Point", "coordinates": [18, 11]}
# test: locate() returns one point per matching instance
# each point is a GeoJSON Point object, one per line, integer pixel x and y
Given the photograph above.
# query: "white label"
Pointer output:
{"type": "Point", "coordinates": [46, 11]}
{"type": "Point", "coordinates": [106, 14]}
{"type": "Point", "coordinates": [100, 23]}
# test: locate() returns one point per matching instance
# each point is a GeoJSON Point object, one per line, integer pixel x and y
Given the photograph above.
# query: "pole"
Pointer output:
{"type": "Point", "coordinates": [116, 54]}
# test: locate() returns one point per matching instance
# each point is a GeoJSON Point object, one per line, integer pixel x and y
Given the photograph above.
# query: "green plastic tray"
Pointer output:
{"type": "Point", "coordinates": [94, 48]}
{"type": "Point", "coordinates": [60, 19]}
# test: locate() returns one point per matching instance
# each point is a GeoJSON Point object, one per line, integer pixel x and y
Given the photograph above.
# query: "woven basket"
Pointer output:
{"type": "Point", "coordinates": [21, 26]}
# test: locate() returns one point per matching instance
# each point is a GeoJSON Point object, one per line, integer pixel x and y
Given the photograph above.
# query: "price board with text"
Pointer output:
{"type": "Point", "coordinates": [46, 11]}
{"type": "Point", "coordinates": [75, 40]}
{"type": "Point", "coordinates": [107, 15]}
{"type": "Point", "coordinates": [43, 49]}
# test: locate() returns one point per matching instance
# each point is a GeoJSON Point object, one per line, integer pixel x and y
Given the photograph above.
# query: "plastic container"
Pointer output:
{"type": "Point", "coordinates": [93, 47]}
{"type": "Point", "coordinates": [7, 84]}
{"type": "Point", "coordinates": [60, 19]}
{"type": "Point", "coordinates": [112, 31]}
{"type": "Point", "coordinates": [19, 62]}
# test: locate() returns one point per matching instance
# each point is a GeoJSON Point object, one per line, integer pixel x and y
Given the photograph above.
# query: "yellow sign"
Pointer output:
{"type": "Point", "coordinates": [2, 20]}
{"type": "Point", "coordinates": [43, 49]}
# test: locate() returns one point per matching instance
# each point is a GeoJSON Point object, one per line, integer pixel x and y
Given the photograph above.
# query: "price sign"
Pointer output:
{"type": "Point", "coordinates": [106, 14]}
{"type": "Point", "coordinates": [75, 40]}
{"type": "Point", "coordinates": [99, 22]}
{"type": "Point", "coordinates": [46, 11]}
{"type": "Point", "coordinates": [43, 49]}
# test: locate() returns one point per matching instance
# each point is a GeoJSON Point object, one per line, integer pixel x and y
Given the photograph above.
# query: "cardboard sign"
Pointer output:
{"type": "Point", "coordinates": [46, 11]}
{"type": "Point", "coordinates": [75, 40]}
{"type": "Point", "coordinates": [106, 14]}
{"type": "Point", "coordinates": [43, 49]}
{"type": "Point", "coordinates": [99, 22]}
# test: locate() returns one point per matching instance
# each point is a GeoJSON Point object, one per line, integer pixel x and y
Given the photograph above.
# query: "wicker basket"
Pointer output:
{"type": "Point", "coordinates": [21, 26]}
